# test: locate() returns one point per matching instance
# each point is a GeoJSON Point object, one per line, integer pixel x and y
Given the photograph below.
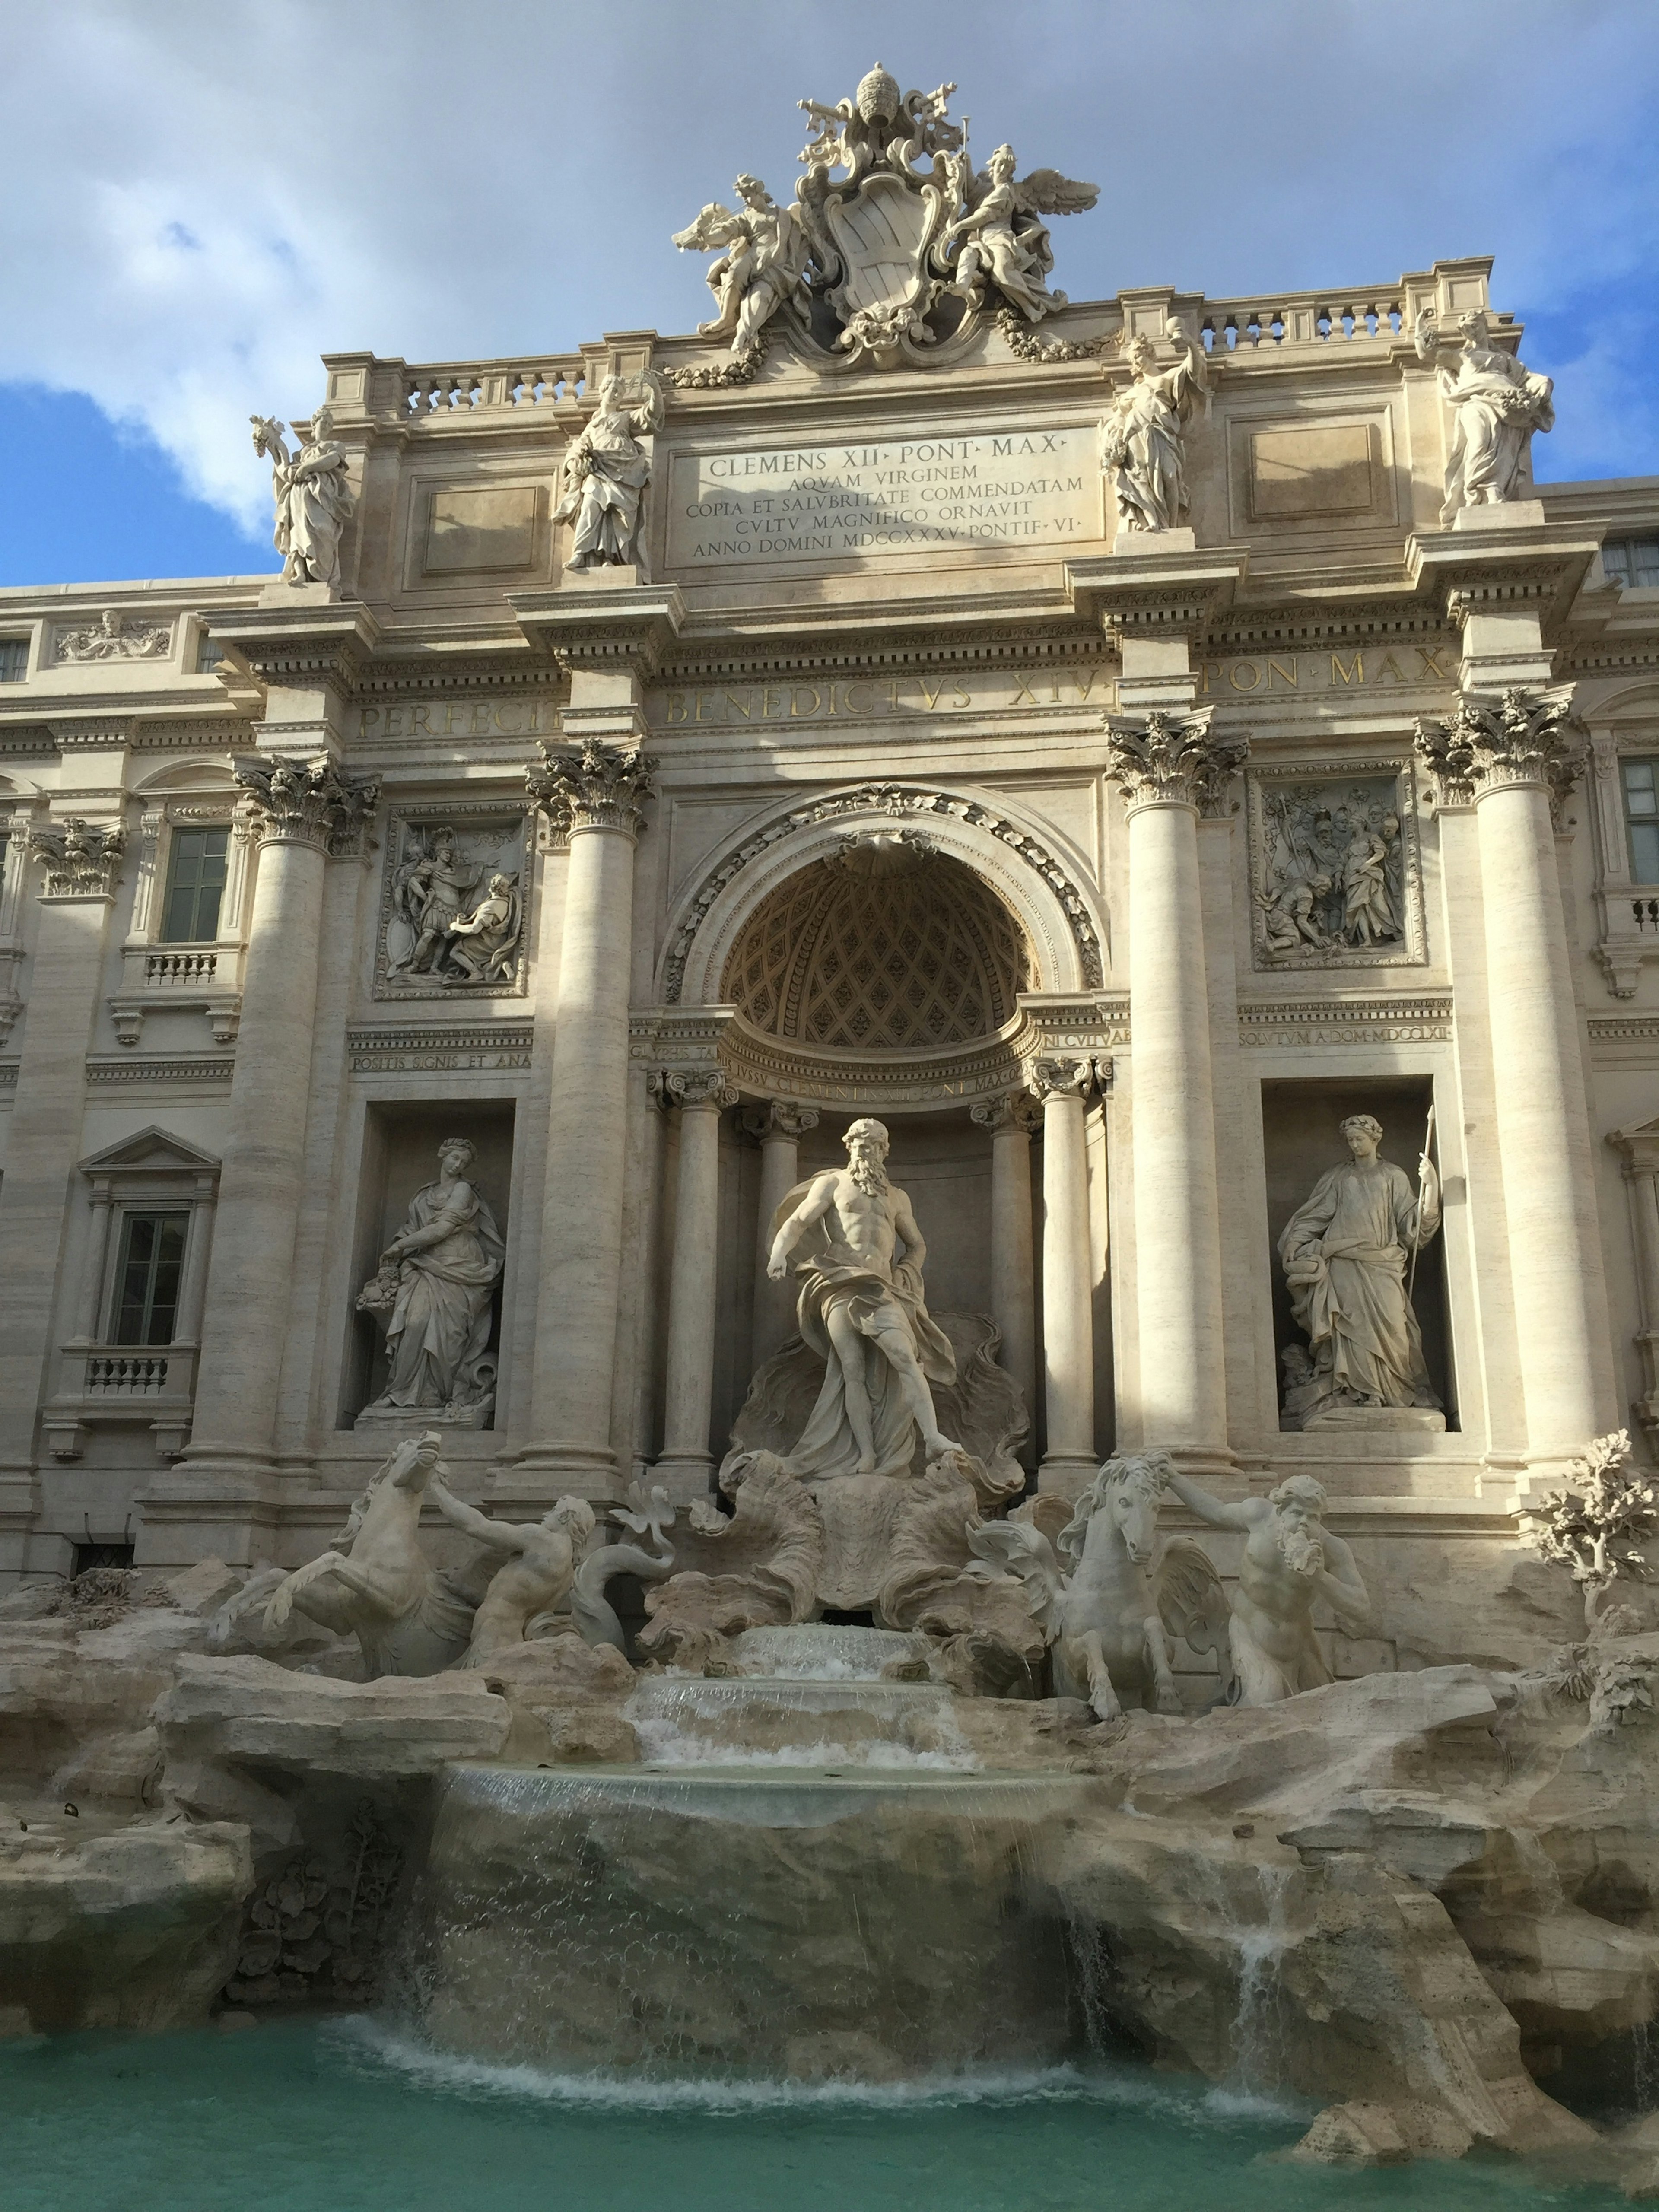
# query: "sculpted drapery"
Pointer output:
{"type": "Point", "coordinates": [1346, 1251]}
{"type": "Point", "coordinates": [447, 1255]}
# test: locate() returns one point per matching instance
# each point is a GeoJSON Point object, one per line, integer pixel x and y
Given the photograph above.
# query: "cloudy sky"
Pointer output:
{"type": "Point", "coordinates": [199, 197]}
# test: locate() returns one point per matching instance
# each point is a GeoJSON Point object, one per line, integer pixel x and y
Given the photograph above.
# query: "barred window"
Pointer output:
{"type": "Point", "coordinates": [1632, 562]}
{"type": "Point", "coordinates": [196, 884]}
{"type": "Point", "coordinates": [14, 659]}
{"type": "Point", "coordinates": [208, 654]}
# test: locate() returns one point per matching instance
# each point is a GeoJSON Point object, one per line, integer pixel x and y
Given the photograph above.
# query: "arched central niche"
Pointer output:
{"type": "Point", "coordinates": [886, 946]}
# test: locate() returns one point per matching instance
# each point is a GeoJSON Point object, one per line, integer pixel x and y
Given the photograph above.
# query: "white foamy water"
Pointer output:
{"type": "Point", "coordinates": [665, 1743]}
{"type": "Point", "coordinates": [367, 2043]}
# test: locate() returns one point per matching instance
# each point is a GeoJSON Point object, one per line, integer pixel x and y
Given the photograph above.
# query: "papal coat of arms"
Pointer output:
{"type": "Point", "coordinates": [894, 246]}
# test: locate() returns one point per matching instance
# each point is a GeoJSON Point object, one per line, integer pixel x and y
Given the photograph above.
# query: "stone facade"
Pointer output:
{"type": "Point", "coordinates": [898, 773]}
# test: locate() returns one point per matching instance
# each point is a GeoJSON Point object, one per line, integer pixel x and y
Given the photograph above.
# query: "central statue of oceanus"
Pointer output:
{"type": "Point", "coordinates": [860, 1309]}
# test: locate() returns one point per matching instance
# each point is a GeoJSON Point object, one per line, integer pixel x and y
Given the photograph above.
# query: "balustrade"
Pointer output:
{"type": "Point", "coordinates": [461, 388]}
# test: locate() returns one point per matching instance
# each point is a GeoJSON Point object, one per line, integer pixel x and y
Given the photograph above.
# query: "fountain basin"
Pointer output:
{"type": "Point", "coordinates": [746, 1921]}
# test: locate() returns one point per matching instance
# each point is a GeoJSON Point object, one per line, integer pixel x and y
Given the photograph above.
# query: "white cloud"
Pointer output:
{"type": "Point", "coordinates": [201, 196]}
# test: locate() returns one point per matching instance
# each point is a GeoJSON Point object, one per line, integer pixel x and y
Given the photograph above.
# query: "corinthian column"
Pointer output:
{"type": "Point", "coordinates": [686, 1462]}
{"type": "Point", "coordinates": [780, 1125]}
{"type": "Point", "coordinates": [82, 861]}
{"type": "Point", "coordinates": [297, 813]}
{"type": "Point", "coordinates": [1169, 766]}
{"type": "Point", "coordinates": [1068, 1339]}
{"type": "Point", "coordinates": [594, 793]}
{"type": "Point", "coordinates": [1517, 755]}
{"type": "Point", "coordinates": [1013, 1291]}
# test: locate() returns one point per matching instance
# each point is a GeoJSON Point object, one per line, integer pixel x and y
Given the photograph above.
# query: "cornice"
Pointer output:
{"type": "Point", "coordinates": [1010, 645]}
{"type": "Point", "coordinates": [603, 626]}
{"type": "Point", "coordinates": [303, 647]}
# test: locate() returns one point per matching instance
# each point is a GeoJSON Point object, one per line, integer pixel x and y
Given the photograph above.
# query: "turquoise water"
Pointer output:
{"type": "Point", "coordinates": [341, 2116]}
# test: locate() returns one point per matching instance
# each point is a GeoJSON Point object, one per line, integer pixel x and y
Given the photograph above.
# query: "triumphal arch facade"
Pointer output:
{"type": "Point", "coordinates": [1134, 751]}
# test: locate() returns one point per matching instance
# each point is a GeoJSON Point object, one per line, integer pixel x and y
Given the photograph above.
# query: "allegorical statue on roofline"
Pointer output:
{"type": "Point", "coordinates": [903, 252]}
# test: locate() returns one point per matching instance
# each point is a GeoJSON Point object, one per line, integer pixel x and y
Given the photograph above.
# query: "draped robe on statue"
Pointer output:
{"type": "Point", "coordinates": [832, 1276]}
{"type": "Point", "coordinates": [1344, 1254]}
{"type": "Point", "coordinates": [440, 1326]}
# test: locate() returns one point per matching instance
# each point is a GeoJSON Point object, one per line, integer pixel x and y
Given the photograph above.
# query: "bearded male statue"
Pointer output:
{"type": "Point", "coordinates": [860, 1309]}
{"type": "Point", "coordinates": [1289, 1561]}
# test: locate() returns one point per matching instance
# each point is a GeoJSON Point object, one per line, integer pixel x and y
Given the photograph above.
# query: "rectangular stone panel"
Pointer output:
{"type": "Point", "coordinates": [839, 500]}
{"type": "Point", "coordinates": [1311, 472]}
{"type": "Point", "coordinates": [488, 527]}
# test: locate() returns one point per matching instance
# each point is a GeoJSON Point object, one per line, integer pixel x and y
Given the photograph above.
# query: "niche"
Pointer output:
{"type": "Point", "coordinates": [1301, 1125]}
{"type": "Point", "coordinates": [400, 1155]}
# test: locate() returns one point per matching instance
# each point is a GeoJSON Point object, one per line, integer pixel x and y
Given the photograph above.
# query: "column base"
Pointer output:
{"type": "Point", "coordinates": [542, 1474]}
{"type": "Point", "coordinates": [686, 1476]}
{"type": "Point", "coordinates": [1066, 1475]}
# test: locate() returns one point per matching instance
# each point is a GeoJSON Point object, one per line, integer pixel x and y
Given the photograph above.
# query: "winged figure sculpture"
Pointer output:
{"type": "Point", "coordinates": [999, 239]}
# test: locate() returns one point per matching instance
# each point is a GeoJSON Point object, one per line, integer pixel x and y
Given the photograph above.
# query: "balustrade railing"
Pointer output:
{"type": "Point", "coordinates": [180, 967]}
{"type": "Point", "coordinates": [461, 387]}
{"type": "Point", "coordinates": [132, 1374]}
{"type": "Point", "coordinates": [1303, 318]}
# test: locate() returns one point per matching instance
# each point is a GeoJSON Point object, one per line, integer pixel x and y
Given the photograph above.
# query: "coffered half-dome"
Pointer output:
{"type": "Point", "coordinates": [888, 946]}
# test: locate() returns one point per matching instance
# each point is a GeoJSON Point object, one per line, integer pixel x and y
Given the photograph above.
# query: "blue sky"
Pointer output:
{"type": "Point", "coordinates": [199, 197]}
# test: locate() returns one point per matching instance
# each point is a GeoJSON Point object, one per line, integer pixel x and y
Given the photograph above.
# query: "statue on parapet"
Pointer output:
{"type": "Point", "coordinates": [314, 499]}
{"type": "Point", "coordinates": [861, 1309]}
{"type": "Point", "coordinates": [1143, 440]}
{"type": "Point", "coordinates": [1000, 238]}
{"type": "Point", "coordinates": [1496, 403]}
{"type": "Point", "coordinates": [765, 257]}
{"type": "Point", "coordinates": [607, 471]}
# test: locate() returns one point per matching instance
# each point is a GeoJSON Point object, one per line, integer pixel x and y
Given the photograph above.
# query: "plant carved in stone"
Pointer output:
{"type": "Point", "coordinates": [1526, 735]}
{"type": "Point", "coordinates": [1110, 1602]}
{"type": "Point", "coordinates": [313, 802]}
{"type": "Point", "coordinates": [594, 785]}
{"type": "Point", "coordinates": [1597, 1527]}
{"type": "Point", "coordinates": [81, 859]}
{"type": "Point", "coordinates": [313, 1928]}
{"type": "Point", "coordinates": [1496, 405]}
{"type": "Point", "coordinates": [1166, 759]}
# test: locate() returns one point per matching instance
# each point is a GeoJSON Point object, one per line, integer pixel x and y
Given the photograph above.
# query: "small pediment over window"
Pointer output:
{"type": "Point", "coordinates": [150, 1151]}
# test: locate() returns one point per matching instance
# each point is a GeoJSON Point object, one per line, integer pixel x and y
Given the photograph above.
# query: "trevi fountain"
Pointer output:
{"type": "Point", "coordinates": [830, 1261]}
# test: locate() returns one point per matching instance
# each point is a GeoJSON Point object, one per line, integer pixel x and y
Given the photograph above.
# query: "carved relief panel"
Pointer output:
{"type": "Point", "coordinates": [451, 903]}
{"type": "Point", "coordinates": [1335, 875]}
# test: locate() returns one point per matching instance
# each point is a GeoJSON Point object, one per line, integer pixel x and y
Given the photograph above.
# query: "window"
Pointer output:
{"type": "Point", "coordinates": [147, 1278]}
{"type": "Point", "coordinates": [1632, 562]}
{"type": "Point", "coordinates": [208, 654]}
{"type": "Point", "coordinates": [14, 659]}
{"type": "Point", "coordinates": [1642, 819]}
{"type": "Point", "coordinates": [92, 1558]}
{"type": "Point", "coordinates": [196, 884]}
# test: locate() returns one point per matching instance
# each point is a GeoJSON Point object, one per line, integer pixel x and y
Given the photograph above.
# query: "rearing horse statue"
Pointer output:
{"type": "Point", "coordinates": [1108, 1611]}
{"type": "Point", "coordinates": [380, 1586]}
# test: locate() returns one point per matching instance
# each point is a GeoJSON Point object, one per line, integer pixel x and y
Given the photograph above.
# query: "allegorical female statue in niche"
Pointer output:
{"type": "Point", "coordinates": [605, 472]}
{"type": "Point", "coordinates": [1346, 1253]}
{"type": "Point", "coordinates": [435, 1279]}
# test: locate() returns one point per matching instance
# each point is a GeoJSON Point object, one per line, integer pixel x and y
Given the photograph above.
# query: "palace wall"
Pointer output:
{"type": "Point", "coordinates": [811, 681]}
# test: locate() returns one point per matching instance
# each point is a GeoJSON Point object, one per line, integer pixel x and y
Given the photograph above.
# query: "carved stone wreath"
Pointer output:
{"type": "Point", "coordinates": [901, 802]}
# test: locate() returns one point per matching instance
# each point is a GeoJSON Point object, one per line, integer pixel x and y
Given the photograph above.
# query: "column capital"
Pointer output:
{"type": "Point", "coordinates": [1064, 1076]}
{"type": "Point", "coordinates": [1161, 759]}
{"type": "Point", "coordinates": [1015, 1110]}
{"type": "Point", "coordinates": [780, 1118]}
{"type": "Point", "coordinates": [81, 859]}
{"type": "Point", "coordinates": [1525, 736]}
{"type": "Point", "coordinates": [291, 802]}
{"type": "Point", "coordinates": [693, 1089]}
{"type": "Point", "coordinates": [591, 786]}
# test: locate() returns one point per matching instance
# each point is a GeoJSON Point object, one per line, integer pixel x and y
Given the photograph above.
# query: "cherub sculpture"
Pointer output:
{"type": "Point", "coordinates": [1000, 238]}
{"type": "Point", "coordinates": [1109, 1609]}
{"type": "Point", "coordinates": [765, 257]}
{"type": "Point", "coordinates": [314, 499]}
